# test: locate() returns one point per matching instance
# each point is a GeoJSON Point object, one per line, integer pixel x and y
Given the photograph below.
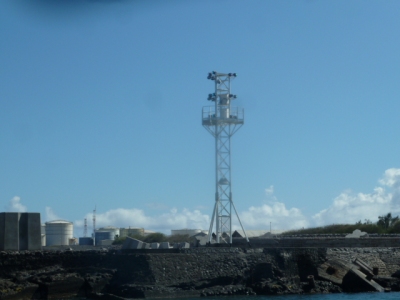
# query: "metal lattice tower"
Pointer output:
{"type": "Point", "coordinates": [85, 228]}
{"type": "Point", "coordinates": [222, 121]}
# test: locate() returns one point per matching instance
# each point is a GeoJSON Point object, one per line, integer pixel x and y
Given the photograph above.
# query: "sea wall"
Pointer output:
{"type": "Point", "coordinates": [320, 242]}
{"type": "Point", "coordinates": [189, 272]}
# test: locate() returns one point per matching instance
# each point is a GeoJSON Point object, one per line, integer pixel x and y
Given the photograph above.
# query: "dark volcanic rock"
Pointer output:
{"type": "Point", "coordinates": [18, 290]}
{"type": "Point", "coordinates": [321, 287]}
{"type": "Point", "coordinates": [396, 274]}
{"type": "Point", "coordinates": [188, 273]}
{"type": "Point", "coordinates": [387, 282]}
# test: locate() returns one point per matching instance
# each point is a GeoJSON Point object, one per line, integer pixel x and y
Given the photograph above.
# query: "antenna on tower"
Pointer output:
{"type": "Point", "coordinates": [222, 121]}
{"type": "Point", "coordinates": [85, 228]}
{"type": "Point", "coordinates": [94, 221]}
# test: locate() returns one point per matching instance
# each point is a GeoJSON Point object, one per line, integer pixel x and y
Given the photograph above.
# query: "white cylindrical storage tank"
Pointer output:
{"type": "Point", "coordinates": [43, 239]}
{"type": "Point", "coordinates": [105, 233]}
{"type": "Point", "coordinates": [58, 232]}
{"type": "Point", "coordinates": [114, 230]}
{"type": "Point", "coordinates": [43, 234]}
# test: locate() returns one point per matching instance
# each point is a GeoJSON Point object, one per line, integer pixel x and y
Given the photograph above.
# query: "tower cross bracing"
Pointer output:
{"type": "Point", "coordinates": [222, 121]}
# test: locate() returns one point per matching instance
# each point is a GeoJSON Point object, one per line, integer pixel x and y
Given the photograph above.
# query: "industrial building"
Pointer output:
{"type": "Point", "coordinates": [105, 235]}
{"type": "Point", "coordinates": [20, 231]}
{"type": "Point", "coordinates": [59, 233]}
{"type": "Point", "coordinates": [86, 241]}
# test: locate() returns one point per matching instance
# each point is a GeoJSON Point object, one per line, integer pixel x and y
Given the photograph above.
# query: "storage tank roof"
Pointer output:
{"type": "Point", "coordinates": [131, 228]}
{"type": "Point", "coordinates": [59, 222]}
{"type": "Point", "coordinates": [108, 228]}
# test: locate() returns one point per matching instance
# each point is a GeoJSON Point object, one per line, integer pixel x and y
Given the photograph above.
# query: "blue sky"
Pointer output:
{"type": "Point", "coordinates": [100, 105]}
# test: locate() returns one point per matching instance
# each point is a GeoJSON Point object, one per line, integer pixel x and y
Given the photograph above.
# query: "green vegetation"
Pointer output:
{"type": "Point", "coordinates": [387, 221]}
{"type": "Point", "coordinates": [156, 237]}
{"type": "Point", "coordinates": [386, 224]}
{"type": "Point", "coordinates": [178, 238]}
{"type": "Point", "coordinates": [119, 241]}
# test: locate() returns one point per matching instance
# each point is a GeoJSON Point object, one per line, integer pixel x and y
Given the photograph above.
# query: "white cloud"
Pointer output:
{"type": "Point", "coordinates": [281, 218]}
{"type": "Point", "coordinates": [391, 178]}
{"type": "Point", "coordinates": [350, 208]}
{"type": "Point", "coordinates": [174, 219]}
{"type": "Point", "coordinates": [269, 193]}
{"type": "Point", "coordinates": [254, 218]}
{"type": "Point", "coordinates": [273, 213]}
{"type": "Point", "coordinates": [51, 215]}
{"type": "Point", "coordinates": [15, 205]}
{"type": "Point", "coordinates": [270, 190]}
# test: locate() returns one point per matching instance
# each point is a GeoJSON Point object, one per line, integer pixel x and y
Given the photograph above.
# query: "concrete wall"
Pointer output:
{"type": "Point", "coordinates": [20, 231]}
{"type": "Point", "coordinates": [9, 231]}
{"type": "Point", "coordinates": [319, 242]}
{"type": "Point", "coordinates": [34, 231]}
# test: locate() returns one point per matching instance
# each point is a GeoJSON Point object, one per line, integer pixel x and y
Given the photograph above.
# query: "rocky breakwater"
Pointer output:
{"type": "Point", "coordinates": [211, 271]}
